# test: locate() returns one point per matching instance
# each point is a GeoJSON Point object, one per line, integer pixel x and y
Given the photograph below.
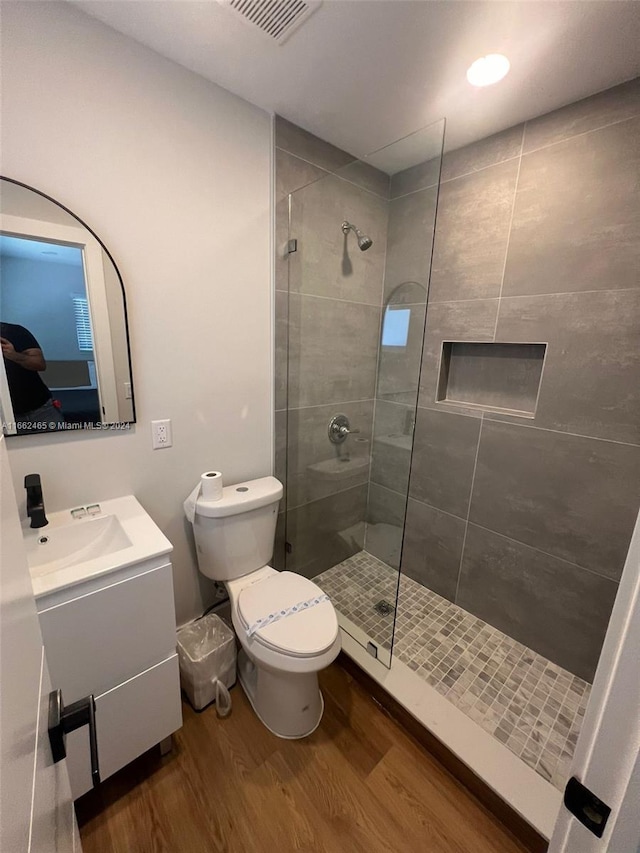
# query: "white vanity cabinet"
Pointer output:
{"type": "Point", "coordinates": [115, 636]}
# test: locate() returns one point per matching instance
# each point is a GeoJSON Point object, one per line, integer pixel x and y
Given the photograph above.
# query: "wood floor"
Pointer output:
{"type": "Point", "coordinates": [359, 783]}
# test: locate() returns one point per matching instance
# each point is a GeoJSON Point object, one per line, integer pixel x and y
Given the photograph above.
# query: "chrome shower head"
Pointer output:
{"type": "Point", "coordinates": [364, 242]}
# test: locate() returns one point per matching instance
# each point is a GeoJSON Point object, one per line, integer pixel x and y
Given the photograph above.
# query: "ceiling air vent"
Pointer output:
{"type": "Point", "coordinates": [277, 19]}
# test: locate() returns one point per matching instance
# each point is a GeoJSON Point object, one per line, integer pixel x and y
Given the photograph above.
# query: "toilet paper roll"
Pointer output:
{"type": "Point", "coordinates": [190, 504]}
{"type": "Point", "coordinates": [211, 486]}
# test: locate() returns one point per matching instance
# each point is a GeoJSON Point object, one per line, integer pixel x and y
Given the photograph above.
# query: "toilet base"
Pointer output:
{"type": "Point", "coordinates": [290, 705]}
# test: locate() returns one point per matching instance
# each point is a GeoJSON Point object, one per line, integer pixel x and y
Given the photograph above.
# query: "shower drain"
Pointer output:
{"type": "Point", "coordinates": [383, 608]}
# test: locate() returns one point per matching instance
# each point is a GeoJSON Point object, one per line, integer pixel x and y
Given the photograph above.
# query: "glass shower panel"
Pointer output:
{"type": "Point", "coordinates": [360, 242]}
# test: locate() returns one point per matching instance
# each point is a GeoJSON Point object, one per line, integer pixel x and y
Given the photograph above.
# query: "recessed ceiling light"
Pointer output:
{"type": "Point", "coordinates": [488, 69]}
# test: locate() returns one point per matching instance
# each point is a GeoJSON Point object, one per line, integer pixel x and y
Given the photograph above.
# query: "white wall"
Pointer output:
{"type": "Point", "coordinates": [173, 173]}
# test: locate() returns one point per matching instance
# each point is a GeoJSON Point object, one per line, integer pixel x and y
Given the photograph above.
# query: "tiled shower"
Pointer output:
{"type": "Point", "coordinates": [497, 457]}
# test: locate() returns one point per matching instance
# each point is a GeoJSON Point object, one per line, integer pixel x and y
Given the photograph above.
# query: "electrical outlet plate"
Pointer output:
{"type": "Point", "coordinates": [161, 434]}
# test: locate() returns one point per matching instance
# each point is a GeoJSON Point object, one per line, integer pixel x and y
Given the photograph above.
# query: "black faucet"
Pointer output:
{"type": "Point", "coordinates": [35, 500]}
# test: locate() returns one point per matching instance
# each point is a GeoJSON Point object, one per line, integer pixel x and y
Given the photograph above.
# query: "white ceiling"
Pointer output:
{"type": "Point", "coordinates": [363, 73]}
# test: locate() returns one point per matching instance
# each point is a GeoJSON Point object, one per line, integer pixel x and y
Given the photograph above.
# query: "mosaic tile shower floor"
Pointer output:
{"type": "Point", "coordinates": [531, 705]}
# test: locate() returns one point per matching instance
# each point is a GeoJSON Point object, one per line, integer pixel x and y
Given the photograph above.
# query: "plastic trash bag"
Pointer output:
{"type": "Point", "coordinates": [223, 699]}
{"type": "Point", "coordinates": [207, 656]}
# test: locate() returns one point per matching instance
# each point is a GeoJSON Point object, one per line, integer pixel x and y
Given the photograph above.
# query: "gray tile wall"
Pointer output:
{"type": "Point", "coordinates": [328, 298]}
{"type": "Point", "coordinates": [526, 522]}
{"type": "Point", "coordinates": [523, 522]}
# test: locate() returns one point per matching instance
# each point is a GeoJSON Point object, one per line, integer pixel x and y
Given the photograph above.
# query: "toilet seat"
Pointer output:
{"type": "Point", "coordinates": [308, 633]}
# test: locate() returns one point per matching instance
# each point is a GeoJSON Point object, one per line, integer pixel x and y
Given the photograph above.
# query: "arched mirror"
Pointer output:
{"type": "Point", "coordinates": [63, 321]}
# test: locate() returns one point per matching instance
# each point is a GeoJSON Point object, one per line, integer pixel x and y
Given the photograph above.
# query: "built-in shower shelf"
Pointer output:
{"type": "Point", "coordinates": [494, 377]}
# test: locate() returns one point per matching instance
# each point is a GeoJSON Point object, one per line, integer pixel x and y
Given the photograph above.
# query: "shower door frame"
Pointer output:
{"type": "Point", "coordinates": [359, 635]}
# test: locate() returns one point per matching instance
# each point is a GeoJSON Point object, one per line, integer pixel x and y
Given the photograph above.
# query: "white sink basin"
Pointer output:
{"type": "Point", "coordinates": [69, 550]}
{"type": "Point", "coordinates": [73, 543]}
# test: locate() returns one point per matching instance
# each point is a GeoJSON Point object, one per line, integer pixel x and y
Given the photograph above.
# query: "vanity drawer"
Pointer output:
{"type": "Point", "coordinates": [100, 639]}
{"type": "Point", "coordinates": [130, 719]}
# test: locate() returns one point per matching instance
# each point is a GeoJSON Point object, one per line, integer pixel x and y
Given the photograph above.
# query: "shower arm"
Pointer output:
{"type": "Point", "coordinates": [364, 242]}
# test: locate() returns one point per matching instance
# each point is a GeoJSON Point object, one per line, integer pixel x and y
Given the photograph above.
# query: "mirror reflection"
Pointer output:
{"type": "Point", "coordinates": [65, 353]}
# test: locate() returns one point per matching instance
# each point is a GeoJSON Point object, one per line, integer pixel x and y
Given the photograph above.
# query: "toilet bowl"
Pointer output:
{"type": "Point", "coordinates": [287, 627]}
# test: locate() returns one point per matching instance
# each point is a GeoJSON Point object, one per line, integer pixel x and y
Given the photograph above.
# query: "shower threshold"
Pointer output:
{"type": "Point", "coordinates": [531, 705]}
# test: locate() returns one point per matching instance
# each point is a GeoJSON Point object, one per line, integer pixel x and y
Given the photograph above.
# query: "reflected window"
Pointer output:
{"type": "Point", "coordinates": [44, 307]}
{"type": "Point", "coordinates": [395, 329]}
{"type": "Point", "coordinates": [83, 324]}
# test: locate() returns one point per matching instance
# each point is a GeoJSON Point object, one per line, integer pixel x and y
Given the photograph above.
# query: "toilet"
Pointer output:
{"type": "Point", "coordinates": [287, 627]}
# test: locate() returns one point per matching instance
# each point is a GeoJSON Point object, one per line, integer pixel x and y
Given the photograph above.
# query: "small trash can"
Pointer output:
{"type": "Point", "coordinates": [207, 655]}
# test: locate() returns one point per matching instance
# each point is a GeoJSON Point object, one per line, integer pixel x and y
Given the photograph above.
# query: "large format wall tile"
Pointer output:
{"type": "Point", "coordinates": [393, 419]}
{"type": "Point", "coordinates": [408, 292]}
{"type": "Point", "coordinates": [575, 223]}
{"type": "Point", "coordinates": [432, 548]}
{"type": "Point", "coordinates": [553, 607]}
{"type": "Point", "coordinates": [281, 247]}
{"type": "Point", "coordinates": [280, 365]}
{"type": "Point", "coordinates": [591, 379]}
{"type": "Point", "coordinates": [325, 532]}
{"type": "Point", "coordinates": [474, 320]}
{"type": "Point", "coordinates": [385, 522]}
{"type": "Point", "coordinates": [328, 262]}
{"type": "Point", "coordinates": [391, 449]}
{"type": "Point", "coordinates": [306, 146]}
{"type": "Point", "coordinates": [318, 468]}
{"type": "Point", "coordinates": [444, 456]}
{"type": "Point", "coordinates": [574, 497]}
{"type": "Point", "coordinates": [368, 177]}
{"type": "Point", "coordinates": [474, 213]}
{"type": "Point", "coordinates": [292, 173]}
{"type": "Point", "coordinates": [303, 144]}
{"type": "Point", "coordinates": [486, 152]}
{"type": "Point", "coordinates": [280, 456]}
{"type": "Point", "coordinates": [416, 178]}
{"type": "Point", "coordinates": [332, 351]}
{"type": "Point", "coordinates": [409, 243]}
{"type": "Point", "coordinates": [390, 462]}
{"type": "Point", "coordinates": [605, 108]}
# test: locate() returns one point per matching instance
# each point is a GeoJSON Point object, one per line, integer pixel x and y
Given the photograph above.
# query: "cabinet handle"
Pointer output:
{"type": "Point", "coordinates": [64, 720]}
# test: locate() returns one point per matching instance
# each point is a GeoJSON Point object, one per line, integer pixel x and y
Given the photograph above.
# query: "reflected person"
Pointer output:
{"type": "Point", "coordinates": [33, 407]}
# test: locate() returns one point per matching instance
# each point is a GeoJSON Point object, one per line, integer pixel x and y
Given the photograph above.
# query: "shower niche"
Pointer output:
{"type": "Point", "coordinates": [494, 377]}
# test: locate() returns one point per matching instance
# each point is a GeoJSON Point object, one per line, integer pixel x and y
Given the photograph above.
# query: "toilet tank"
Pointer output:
{"type": "Point", "coordinates": [235, 535]}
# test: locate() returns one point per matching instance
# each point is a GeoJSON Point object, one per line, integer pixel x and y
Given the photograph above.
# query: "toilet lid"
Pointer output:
{"type": "Point", "coordinates": [309, 632]}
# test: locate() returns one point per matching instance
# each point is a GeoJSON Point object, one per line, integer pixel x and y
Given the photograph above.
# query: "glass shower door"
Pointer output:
{"type": "Point", "coordinates": [358, 269]}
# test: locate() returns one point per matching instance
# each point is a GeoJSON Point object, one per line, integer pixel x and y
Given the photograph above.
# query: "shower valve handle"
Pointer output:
{"type": "Point", "coordinates": [340, 429]}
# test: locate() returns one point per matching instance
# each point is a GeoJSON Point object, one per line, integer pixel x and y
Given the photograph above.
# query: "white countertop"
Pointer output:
{"type": "Point", "coordinates": [146, 538]}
